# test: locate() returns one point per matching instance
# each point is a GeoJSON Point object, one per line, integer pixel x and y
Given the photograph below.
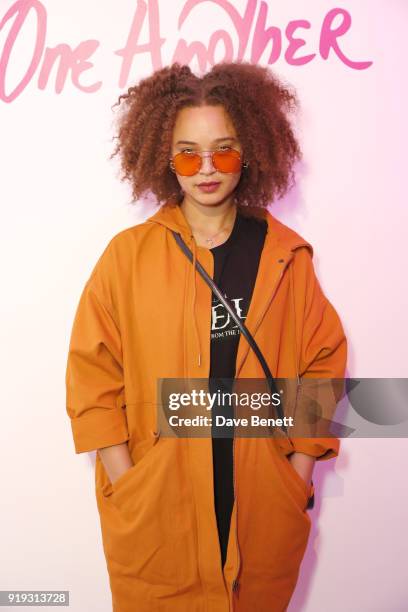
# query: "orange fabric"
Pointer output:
{"type": "Point", "coordinates": [144, 314]}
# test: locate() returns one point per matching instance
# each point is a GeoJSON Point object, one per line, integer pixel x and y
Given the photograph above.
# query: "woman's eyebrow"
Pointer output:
{"type": "Point", "coordinates": [216, 140]}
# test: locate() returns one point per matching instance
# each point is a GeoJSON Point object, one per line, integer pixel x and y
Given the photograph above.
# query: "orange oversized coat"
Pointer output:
{"type": "Point", "coordinates": [145, 314]}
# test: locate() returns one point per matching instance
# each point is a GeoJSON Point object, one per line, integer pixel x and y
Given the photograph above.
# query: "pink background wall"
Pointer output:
{"type": "Point", "coordinates": [62, 201]}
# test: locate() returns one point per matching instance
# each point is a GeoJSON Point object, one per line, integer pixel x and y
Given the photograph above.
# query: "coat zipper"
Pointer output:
{"type": "Point", "coordinates": [276, 287]}
{"type": "Point", "coordinates": [265, 309]}
{"type": "Point", "coordinates": [235, 582]}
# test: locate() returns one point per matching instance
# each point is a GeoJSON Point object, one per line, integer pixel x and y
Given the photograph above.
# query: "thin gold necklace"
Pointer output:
{"type": "Point", "coordinates": [210, 241]}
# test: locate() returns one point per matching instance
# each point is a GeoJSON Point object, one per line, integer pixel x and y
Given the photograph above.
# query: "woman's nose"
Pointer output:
{"type": "Point", "coordinates": [206, 162]}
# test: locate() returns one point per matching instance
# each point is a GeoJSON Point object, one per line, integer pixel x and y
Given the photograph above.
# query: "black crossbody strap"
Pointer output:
{"type": "Point", "coordinates": [215, 289]}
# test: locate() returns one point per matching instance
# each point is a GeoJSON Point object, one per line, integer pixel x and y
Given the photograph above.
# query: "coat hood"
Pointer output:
{"type": "Point", "coordinates": [279, 238]}
{"type": "Point", "coordinates": [172, 217]}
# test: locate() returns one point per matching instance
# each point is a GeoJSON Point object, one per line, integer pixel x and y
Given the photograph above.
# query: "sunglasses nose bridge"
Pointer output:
{"type": "Point", "coordinates": [204, 156]}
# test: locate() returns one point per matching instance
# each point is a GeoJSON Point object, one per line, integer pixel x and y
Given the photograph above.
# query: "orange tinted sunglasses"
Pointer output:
{"type": "Point", "coordinates": [188, 164]}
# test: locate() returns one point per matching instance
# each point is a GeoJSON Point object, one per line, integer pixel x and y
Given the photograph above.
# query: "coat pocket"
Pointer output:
{"type": "Point", "coordinates": [119, 490]}
{"type": "Point", "coordinates": [299, 489]}
{"type": "Point", "coordinates": [142, 513]}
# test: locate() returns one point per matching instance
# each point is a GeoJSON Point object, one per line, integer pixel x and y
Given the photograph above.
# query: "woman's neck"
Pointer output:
{"type": "Point", "coordinates": [209, 222]}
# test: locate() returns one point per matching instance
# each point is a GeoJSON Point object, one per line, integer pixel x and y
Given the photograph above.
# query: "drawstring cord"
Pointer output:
{"type": "Point", "coordinates": [193, 268]}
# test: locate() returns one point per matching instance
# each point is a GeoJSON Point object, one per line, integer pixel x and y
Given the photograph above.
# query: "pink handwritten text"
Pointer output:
{"type": "Point", "coordinates": [289, 43]}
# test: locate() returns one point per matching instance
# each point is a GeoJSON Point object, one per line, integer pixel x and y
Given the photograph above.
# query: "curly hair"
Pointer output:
{"type": "Point", "coordinates": [258, 104]}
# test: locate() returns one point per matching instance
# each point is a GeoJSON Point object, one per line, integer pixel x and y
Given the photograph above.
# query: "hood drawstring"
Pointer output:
{"type": "Point", "coordinates": [193, 269]}
{"type": "Point", "coordinates": [173, 218]}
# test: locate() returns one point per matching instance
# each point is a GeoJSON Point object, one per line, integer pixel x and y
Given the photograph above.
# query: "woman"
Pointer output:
{"type": "Point", "coordinates": [205, 523]}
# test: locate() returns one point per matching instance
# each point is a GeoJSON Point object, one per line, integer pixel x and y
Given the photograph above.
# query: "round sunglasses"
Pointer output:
{"type": "Point", "coordinates": [188, 164]}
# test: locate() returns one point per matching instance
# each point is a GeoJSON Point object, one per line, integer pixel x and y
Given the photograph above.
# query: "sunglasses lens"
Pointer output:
{"type": "Point", "coordinates": [186, 164]}
{"type": "Point", "coordinates": [227, 161]}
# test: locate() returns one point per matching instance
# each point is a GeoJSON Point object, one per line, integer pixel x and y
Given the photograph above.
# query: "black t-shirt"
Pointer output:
{"type": "Point", "coordinates": [236, 264]}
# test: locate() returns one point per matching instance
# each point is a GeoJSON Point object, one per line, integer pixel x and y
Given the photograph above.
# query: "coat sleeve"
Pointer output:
{"type": "Point", "coordinates": [95, 398]}
{"type": "Point", "coordinates": [322, 355]}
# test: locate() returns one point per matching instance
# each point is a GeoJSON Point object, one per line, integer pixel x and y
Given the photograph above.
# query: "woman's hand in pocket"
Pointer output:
{"type": "Point", "coordinates": [116, 460]}
{"type": "Point", "coordinates": [304, 465]}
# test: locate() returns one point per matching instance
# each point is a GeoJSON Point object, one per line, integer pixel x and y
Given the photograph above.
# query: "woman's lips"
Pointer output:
{"type": "Point", "coordinates": [209, 188]}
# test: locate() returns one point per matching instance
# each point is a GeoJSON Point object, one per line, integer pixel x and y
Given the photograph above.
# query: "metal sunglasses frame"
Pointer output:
{"type": "Point", "coordinates": [200, 153]}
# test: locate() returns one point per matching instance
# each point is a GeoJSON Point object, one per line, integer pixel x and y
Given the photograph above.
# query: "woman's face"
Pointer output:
{"type": "Point", "coordinates": [199, 129]}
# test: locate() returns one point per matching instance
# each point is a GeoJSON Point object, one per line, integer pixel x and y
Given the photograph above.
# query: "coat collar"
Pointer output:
{"type": "Point", "coordinates": [172, 217]}
{"type": "Point", "coordinates": [279, 235]}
